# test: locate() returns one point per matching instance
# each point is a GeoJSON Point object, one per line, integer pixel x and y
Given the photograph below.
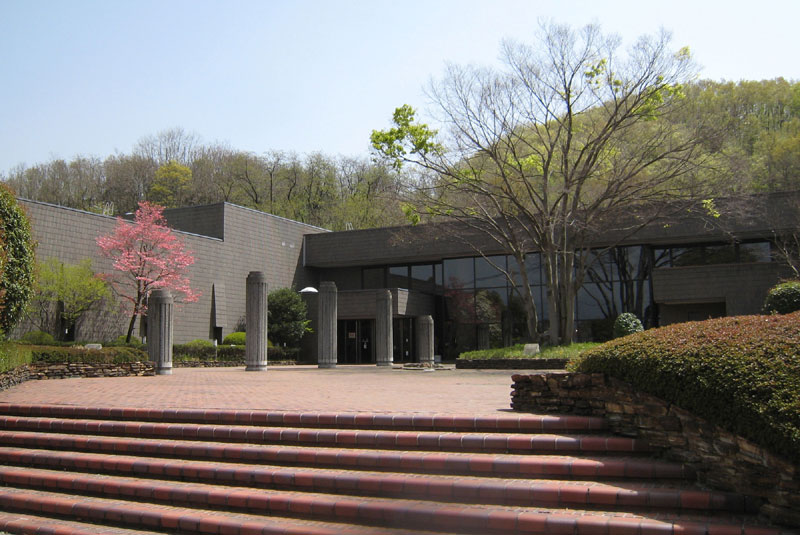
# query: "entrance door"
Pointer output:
{"type": "Point", "coordinates": [404, 340]}
{"type": "Point", "coordinates": [355, 342]}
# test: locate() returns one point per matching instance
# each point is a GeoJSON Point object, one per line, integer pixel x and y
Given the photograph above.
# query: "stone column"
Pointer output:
{"type": "Point", "coordinates": [425, 340]}
{"type": "Point", "coordinates": [255, 349]}
{"type": "Point", "coordinates": [159, 330]}
{"type": "Point", "coordinates": [383, 328]}
{"type": "Point", "coordinates": [327, 348]}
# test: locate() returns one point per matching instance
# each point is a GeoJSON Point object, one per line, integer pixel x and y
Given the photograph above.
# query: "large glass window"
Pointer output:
{"type": "Point", "coordinates": [459, 273]}
{"type": "Point", "coordinates": [422, 278]}
{"type": "Point", "coordinates": [398, 277]}
{"type": "Point", "coordinates": [487, 274]}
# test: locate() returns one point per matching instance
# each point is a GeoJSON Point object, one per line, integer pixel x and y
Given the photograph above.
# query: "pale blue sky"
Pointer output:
{"type": "Point", "coordinates": [93, 77]}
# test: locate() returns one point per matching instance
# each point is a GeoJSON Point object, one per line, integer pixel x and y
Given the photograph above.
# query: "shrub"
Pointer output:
{"type": "Point", "coordinates": [742, 373]}
{"type": "Point", "coordinates": [39, 338]}
{"type": "Point", "coordinates": [107, 355]}
{"type": "Point", "coordinates": [625, 324]}
{"type": "Point", "coordinates": [287, 321]}
{"type": "Point", "coordinates": [16, 260]}
{"type": "Point", "coordinates": [783, 298]}
{"type": "Point", "coordinates": [516, 352]}
{"type": "Point", "coordinates": [236, 339]}
{"type": "Point", "coordinates": [200, 342]}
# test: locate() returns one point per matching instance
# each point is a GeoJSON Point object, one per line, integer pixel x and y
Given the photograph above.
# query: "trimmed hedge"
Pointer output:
{"type": "Point", "coordinates": [107, 355]}
{"type": "Point", "coordinates": [228, 353]}
{"type": "Point", "coordinates": [516, 352]}
{"type": "Point", "coordinates": [236, 338]}
{"type": "Point", "coordinates": [742, 373]}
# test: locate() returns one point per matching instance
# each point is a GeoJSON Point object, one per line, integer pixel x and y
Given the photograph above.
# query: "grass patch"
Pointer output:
{"type": "Point", "coordinates": [13, 356]}
{"type": "Point", "coordinates": [516, 352]}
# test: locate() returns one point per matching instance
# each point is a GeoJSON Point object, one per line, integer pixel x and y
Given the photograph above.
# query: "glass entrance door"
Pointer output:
{"type": "Point", "coordinates": [404, 340]}
{"type": "Point", "coordinates": [355, 342]}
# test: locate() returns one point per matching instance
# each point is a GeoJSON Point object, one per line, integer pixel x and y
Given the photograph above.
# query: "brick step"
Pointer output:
{"type": "Point", "coordinates": [36, 525]}
{"type": "Point", "coordinates": [440, 488]}
{"type": "Point", "coordinates": [92, 515]}
{"type": "Point", "coordinates": [506, 465]}
{"type": "Point", "coordinates": [507, 423]}
{"type": "Point", "coordinates": [368, 513]}
{"type": "Point", "coordinates": [351, 438]}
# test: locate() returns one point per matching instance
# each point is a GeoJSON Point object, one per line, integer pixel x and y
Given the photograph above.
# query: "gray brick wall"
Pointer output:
{"type": "Point", "coordinates": [243, 240]}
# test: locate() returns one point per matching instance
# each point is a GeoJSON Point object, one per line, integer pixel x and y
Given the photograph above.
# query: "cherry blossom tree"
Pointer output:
{"type": "Point", "coordinates": [147, 255]}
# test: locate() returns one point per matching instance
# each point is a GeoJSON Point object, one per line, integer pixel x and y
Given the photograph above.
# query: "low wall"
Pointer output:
{"type": "Point", "coordinates": [721, 459]}
{"type": "Point", "coordinates": [34, 371]}
{"type": "Point", "coordinates": [511, 364]}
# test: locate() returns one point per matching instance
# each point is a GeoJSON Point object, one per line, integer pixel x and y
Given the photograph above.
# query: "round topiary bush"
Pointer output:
{"type": "Point", "coordinates": [38, 338]}
{"type": "Point", "coordinates": [783, 298]}
{"type": "Point", "coordinates": [236, 339]}
{"type": "Point", "coordinates": [627, 323]}
{"type": "Point", "coordinates": [16, 260]}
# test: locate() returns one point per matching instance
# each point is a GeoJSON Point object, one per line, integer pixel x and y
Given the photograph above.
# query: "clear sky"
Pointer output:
{"type": "Point", "coordinates": [93, 77]}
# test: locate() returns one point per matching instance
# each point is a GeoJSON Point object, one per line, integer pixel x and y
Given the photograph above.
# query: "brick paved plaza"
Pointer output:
{"type": "Point", "coordinates": [303, 388]}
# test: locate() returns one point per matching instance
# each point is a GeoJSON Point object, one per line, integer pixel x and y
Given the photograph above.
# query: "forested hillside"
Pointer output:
{"type": "Point", "coordinates": [754, 146]}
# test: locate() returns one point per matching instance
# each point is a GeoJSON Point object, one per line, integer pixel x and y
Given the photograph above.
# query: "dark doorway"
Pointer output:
{"type": "Point", "coordinates": [403, 343]}
{"type": "Point", "coordinates": [355, 342]}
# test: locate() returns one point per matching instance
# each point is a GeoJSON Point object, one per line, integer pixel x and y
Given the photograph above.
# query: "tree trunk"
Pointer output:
{"type": "Point", "coordinates": [130, 328]}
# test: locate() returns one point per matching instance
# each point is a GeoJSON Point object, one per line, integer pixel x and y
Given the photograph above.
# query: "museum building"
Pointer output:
{"type": "Point", "coordinates": [692, 268]}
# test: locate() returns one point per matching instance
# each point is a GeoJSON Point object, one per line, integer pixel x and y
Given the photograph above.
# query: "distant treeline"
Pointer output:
{"type": "Point", "coordinates": [755, 146]}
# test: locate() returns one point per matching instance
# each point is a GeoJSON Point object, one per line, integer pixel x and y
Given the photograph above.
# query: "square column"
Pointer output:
{"type": "Point", "coordinates": [383, 328]}
{"type": "Point", "coordinates": [328, 316]}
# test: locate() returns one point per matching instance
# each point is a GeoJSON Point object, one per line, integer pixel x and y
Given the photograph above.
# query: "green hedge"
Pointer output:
{"type": "Point", "coordinates": [228, 353]}
{"type": "Point", "coordinates": [516, 352]}
{"type": "Point", "coordinates": [742, 373]}
{"type": "Point", "coordinates": [107, 355]}
{"type": "Point", "coordinates": [783, 298]}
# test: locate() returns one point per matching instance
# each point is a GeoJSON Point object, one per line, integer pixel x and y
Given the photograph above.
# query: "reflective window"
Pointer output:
{"type": "Point", "coordinates": [422, 278]}
{"type": "Point", "coordinates": [532, 266]}
{"type": "Point", "coordinates": [459, 273]}
{"type": "Point", "coordinates": [755, 252]}
{"type": "Point", "coordinates": [487, 274]}
{"type": "Point", "coordinates": [398, 277]}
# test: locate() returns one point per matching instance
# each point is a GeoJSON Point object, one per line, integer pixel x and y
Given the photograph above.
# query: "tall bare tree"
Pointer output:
{"type": "Point", "coordinates": [569, 141]}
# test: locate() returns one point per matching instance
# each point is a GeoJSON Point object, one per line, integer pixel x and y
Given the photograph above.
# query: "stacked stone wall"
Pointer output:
{"type": "Point", "coordinates": [721, 459]}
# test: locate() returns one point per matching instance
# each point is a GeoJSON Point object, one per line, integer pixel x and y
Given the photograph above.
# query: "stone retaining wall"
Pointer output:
{"type": "Point", "coordinates": [722, 460]}
{"type": "Point", "coordinates": [34, 371]}
{"type": "Point", "coordinates": [511, 364]}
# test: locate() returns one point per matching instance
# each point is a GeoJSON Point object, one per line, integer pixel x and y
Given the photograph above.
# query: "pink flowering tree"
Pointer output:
{"type": "Point", "coordinates": [147, 255]}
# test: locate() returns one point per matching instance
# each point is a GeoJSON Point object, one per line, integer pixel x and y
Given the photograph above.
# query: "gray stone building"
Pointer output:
{"type": "Point", "coordinates": [695, 267]}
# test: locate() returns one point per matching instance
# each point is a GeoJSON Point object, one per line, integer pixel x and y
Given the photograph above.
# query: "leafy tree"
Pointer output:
{"type": "Point", "coordinates": [287, 322]}
{"type": "Point", "coordinates": [16, 260]}
{"type": "Point", "coordinates": [569, 141]}
{"type": "Point", "coordinates": [171, 185]}
{"type": "Point", "coordinates": [147, 255]}
{"type": "Point", "coordinates": [68, 291]}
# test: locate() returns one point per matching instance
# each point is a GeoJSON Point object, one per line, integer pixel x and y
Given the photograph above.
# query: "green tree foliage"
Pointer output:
{"type": "Point", "coordinates": [16, 260]}
{"type": "Point", "coordinates": [66, 290]}
{"type": "Point", "coordinates": [572, 139]}
{"type": "Point", "coordinates": [287, 321]}
{"type": "Point", "coordinates": [171, 185]}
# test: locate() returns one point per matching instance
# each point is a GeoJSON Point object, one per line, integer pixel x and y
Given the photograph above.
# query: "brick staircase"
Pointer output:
{"type": "Point", "coordinates": [85, 470]}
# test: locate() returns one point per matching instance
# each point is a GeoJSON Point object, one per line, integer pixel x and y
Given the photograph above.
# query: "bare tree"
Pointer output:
{"type": "Point", "coordinates": [568, 143]}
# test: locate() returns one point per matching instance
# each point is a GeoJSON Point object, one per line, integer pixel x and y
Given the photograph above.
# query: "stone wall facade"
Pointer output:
{"type": "Point", "coordinates": [721, 459]}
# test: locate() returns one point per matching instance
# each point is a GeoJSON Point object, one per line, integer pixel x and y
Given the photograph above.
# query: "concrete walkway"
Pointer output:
{"type": "Point", "coordinates": [289, 388]}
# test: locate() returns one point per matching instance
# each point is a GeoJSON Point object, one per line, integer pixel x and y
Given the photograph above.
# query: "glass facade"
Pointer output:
{"type": "Point", "coordinates": [477, 307]}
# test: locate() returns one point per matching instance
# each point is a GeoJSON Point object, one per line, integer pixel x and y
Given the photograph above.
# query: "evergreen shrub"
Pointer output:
{"type": "Point", "coordinates": [236, 339]}
{"type": "Point", "coordinates": [742, 373]}
{"type": "Point", "coordinates": [107, 355]}
{"type": "Point", "coordinates": [39, 338]}
{"type": "Point", "coordinates": [783, 298]}
{"type": "Point", "coordinates": [627, 323]}
{"type": "Point", "coordinates": [16, 260]}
